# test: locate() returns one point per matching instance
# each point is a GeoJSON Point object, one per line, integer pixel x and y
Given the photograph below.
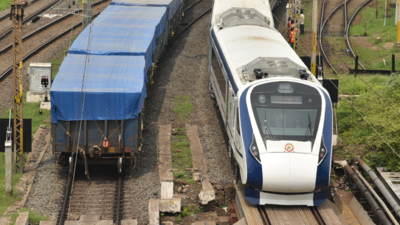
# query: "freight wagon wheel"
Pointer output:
{"type": "Point", "coordinates": [119, 166]}
{"type": "Point", "coordinates": [71, 164]}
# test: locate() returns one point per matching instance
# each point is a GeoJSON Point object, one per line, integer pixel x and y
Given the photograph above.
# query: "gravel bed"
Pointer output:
{"type": "Point", "coordinates": [39, 145]}
{"type": "Point", "coordinates": [47, 190]}
{"type": "Point", "coordinates": [182, 70]}
{"type": "Point", "coordinates": [46, 196]}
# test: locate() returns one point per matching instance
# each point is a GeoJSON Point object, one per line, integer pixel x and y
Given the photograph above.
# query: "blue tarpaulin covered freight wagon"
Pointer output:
{"type": "Point", "coordinates": [125, 31]}
{"type": "Point", "coordinates": [173, 6]}
{"type": "Point", "coordinates": [98, 95]}
{"type": "Point", "coordinates": [174, 12]}
{"type": "Point", "coordinates": [110, 91]}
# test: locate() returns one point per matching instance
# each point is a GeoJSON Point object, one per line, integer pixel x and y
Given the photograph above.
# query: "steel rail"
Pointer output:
{"type": "Point", "coordinates": [377, 210]}
{"type": "Point", "coordinates": [348, 28]}
{"type": "Point", "coordinates": [320, 37]}
{"type": "Point", "coordinates": [315, 212]}
{"type": "Point", "coordinates": [190, 6]}
{"type": "Point", "coordinates": [42, 10]}
{"type": "Point", "coordinates": [39, 30]}
{"type": "Point", "coordinates": [8, 14]}
{"type": "Point", "coordinates": [66, 197]}
{"type": "Point", "coordinates": [30, 54]}
{"type": "Point", "coordinates": [117, 219]}
{"type": "Point", "coordinates": [27, 19]}
{"type": "Point", "coordinates": [194, 21]}
{"type": "Point", "coordinates": [263, 214]}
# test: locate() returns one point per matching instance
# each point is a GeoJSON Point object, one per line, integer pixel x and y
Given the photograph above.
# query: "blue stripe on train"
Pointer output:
{"type": "Point", "coordinates": [254, 169]}
{"type": "Point", "coordinates": [323, 169]}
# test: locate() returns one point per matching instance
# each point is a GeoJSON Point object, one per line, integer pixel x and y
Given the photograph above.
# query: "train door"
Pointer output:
{"type": "Point", "coordinates": [230, 112]}
{"type": "Point", "coordinates": [237, 136]}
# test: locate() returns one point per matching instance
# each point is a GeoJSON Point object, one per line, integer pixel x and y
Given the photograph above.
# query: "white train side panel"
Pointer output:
{"type": "Point", "coordinates": [277, 115]}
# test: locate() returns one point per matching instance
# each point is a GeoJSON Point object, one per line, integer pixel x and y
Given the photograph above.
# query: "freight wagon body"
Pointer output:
{"type": "Point", "coordinates": [174, 13]}
{"type": "Point", "coordinates": [98, 95]}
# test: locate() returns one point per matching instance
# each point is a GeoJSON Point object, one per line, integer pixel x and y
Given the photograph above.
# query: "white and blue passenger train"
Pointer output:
{"type": "Point", "coordinates": [277, 115]}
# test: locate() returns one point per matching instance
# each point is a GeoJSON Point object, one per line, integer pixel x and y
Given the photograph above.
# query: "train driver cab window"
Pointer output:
{"type": "Point", "coordinates": [219, 74]}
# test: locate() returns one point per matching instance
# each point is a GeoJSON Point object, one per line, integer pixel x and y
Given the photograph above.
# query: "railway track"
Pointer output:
{"type": "Point", "coordinates": [194, 12]}
{"type": "Point", "coordinates": [6, 16]}
{"type": "Point", "coordinates": [101, 195]}
{"type": "Point", "coordinates": [27, 19]}
{"type": "Point", "coordinates": [274, 215]}
{"type": "Point", "coordinates": [325, 214]}
{"type": "Point", "coordinates": [347, 25]}
{"type": "Point", "coordinates": [34, 44]}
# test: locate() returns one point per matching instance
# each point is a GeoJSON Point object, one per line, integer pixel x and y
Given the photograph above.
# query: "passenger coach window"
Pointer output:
{"type": "Point", "coordinates": [219, 75]}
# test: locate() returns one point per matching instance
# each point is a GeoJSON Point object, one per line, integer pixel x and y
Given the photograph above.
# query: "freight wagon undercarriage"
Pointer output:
{"type": "Point", "coordinates": [98, 142]}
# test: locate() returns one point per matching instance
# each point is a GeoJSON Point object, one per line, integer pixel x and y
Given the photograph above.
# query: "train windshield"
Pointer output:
{"type": "Point", "coordinates": [286, 111]}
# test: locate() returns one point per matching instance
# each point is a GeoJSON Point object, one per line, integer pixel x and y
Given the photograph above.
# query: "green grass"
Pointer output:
{"type": "Point", "coordinates": [181, 158]}
{"type": "Point", "coordinates": [34, 219]}
{"type": "Point", "coordinates": [354, 85]}
{"type": "Point", "coordinates": [355, 132]}
{"type": "Point", "coordinates": [182, 107]}
{"type": "Point", "coordinates": [31, 111]}
{"type": "Point", "coordinates": [372, 58]}
{"type": "Point", "coordinates": [5, 4]}
{"type": "Point", "coordinates": [5, 200]}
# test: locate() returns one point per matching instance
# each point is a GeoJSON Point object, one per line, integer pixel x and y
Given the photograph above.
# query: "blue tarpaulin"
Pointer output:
{"type": "Point", "coordinates": [113, 88]}
{"type": "Point", "coordinates": [128, 31]}
{"type": "Point", "coordinates": [172, 5]}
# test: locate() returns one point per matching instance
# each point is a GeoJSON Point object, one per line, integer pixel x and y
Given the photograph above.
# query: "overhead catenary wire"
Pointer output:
{"type": "Point", "coordinates": [81, 105]}
{"type": "Point", "coordinates": [365, 119]}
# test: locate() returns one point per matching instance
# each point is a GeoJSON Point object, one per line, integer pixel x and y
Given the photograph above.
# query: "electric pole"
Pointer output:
{"type": "Point", "coordinates": [398, 23]}
{"type": "Point", "coordinates": [17, 14]}
{"type": "Point", "coordinates": [314, 37]}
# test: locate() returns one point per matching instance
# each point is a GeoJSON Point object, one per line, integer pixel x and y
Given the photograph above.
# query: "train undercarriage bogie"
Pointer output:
{"type": "Point", "coordinates": [122, 162]}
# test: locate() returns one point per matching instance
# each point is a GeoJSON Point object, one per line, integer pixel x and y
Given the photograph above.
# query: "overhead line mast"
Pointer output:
{"type": "Point", "coordinates": [314, 38]}
{"type": "Point", "coordinates": [17, 14]}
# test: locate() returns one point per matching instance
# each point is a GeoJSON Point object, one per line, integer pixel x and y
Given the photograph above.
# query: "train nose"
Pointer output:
{"type": "Point", "coordinates": [289, 172]}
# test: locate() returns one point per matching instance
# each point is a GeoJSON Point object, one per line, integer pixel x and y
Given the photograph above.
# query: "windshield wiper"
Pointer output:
{"type": "Point", "coordinates": [267, 129]}
{"type": "Point", "coordinates": [308, 127]}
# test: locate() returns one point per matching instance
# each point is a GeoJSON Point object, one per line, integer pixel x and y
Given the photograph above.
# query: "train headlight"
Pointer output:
{"type": "Point", "coordinates": [254, 149]}
{"type": "Point", "coordinates": [322, 151]}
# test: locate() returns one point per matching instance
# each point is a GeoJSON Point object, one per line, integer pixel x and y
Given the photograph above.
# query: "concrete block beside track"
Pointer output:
{"type": "Point", "coordinates": [165, 158]}
{"type": "Point", "coordinates": [31, 97]}
{"type": "Point", "coordinates": [129, 222]}
{"type": "Point", "coordinates": [167, 190]}
{"type": "Point", "coordinates": [207, 193]}
{"type": "Point", "coordinates": [154, 212]}
{"type": "Point", "coordinates": [170, 205]}
{"type": "Point", "coordinates": [198, 158]}
{"type": "Point", "coordinates": [204, 223]}
{"type": "Point", "coordinates": [48, 222]}
{"type": "Point", "coordinates": [23, 219]}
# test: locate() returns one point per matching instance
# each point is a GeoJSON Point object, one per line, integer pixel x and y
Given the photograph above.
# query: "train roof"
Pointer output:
{"type": "Point", "coordinates": [114, 88]}
{"type": "Point", "coordinates": [245, 48]}
{"type": "Point", "coordinates": [172, 5]}
{"type": "Point", "coordinates": [120, 30]}
{"type": "Point", "coordinates": [222, 8]}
